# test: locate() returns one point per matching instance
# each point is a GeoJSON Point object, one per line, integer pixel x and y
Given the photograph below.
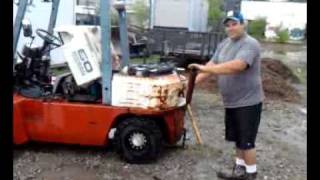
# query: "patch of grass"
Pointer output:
{"type": "Point", "coordinates": [59, 70]}
{"type": "Point", "coordinates": [150, 59]}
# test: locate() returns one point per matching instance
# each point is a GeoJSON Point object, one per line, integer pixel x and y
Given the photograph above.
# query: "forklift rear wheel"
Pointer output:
{"type": "Point", "coordinates": [138, 140]}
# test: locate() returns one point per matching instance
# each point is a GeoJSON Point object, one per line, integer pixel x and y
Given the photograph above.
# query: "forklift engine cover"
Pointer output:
{"type": "Point", "coordinates": [154, 92]}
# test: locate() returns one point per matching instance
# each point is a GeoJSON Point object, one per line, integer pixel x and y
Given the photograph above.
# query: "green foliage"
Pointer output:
{"type": "Point", "coordinates": [114, 18]}
{"type": "Point", "coordinates": [150, 59]}
{"type": "Point", "coordinates": [257, 27]}
{"type": "Point", "coordinates": [215, 12]}
{"type": "Point", "coordinates": [141, 12]}
{"type": "Point", "coordinates": [283, 36]}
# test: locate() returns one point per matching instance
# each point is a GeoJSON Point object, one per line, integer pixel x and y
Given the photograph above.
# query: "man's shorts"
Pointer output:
{"type": "Point", "coordinates": [242, 125]}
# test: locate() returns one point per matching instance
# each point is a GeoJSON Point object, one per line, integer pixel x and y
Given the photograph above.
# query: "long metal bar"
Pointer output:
{"type": "Point", "coordinates": [150, 13]}
{"type": "Point", "coordinates": [18, 24]}
{"type": "Point", "coordinates": [53, 16]}
{"type": "Point", "coordinates": [123, 37]}
{"type": "Point", "coordinates": [53, 20]}
{"type": "Point", "coordinates": [106, 54]}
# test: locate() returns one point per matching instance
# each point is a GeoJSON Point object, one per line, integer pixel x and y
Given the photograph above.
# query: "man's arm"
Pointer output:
{"type": "Point", "coordinates": [244, 58]}
{"type": "Point", "coordinates": [203, 75]}
{"type": "Point", "coordinates": [230, 67]}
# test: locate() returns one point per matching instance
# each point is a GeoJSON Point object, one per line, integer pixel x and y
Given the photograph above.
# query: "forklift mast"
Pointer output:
{"type": "Point", "coordinates": [20, 16]}
{"type": "Point", "coordinates": [18, 24]}
{"type": "Point", "coordinates": [105, 23]}
{"type": "Point", "coordinates": [53, 16]}
{"type": "Point", "coordinates": [123, 36]}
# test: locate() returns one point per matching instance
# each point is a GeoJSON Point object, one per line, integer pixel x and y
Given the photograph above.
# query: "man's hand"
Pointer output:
{"type": "Point", "coordinates": [202, 75]}
{"type": "Point", "coordinates": [230, 67]}
{"type": "Point", "coordinates": [196, 66]}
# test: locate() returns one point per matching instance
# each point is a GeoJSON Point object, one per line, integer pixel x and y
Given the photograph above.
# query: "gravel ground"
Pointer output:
{"type": "Point", "coordinates": [281, 149]}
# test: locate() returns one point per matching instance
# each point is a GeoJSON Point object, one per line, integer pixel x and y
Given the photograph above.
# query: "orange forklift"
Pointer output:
{"type": "Point", "coordinates": [62, 112]}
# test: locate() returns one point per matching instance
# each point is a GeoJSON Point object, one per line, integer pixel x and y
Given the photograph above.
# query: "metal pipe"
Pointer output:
{"type": "Point", "coordinates": [53, 16]}
{"type": "Point", "coordinates": [106, 55]}
{"type": "Point", "coordinates": [52, 21]}
{"type": "Point", "coordinates": [17, 25]}
{"type": "Point", "coordinates": [191, 83]}
{"type": "Point", "coordinates": [123, 37]}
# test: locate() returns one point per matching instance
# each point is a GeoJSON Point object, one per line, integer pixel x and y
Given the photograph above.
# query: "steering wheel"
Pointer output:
{"type": "Point", "coordinates": [49, 38]}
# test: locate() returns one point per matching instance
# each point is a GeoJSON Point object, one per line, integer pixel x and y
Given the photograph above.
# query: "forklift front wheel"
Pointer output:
{"type": "Point", "coordinates": [138, 140]}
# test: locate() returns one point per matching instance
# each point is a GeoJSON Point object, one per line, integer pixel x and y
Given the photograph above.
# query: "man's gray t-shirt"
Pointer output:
{"type": "Point", "coordinates": [244, 88]}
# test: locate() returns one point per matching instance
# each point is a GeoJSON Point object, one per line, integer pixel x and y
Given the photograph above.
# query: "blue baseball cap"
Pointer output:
{"type": "Point", "coordinates": [234, 15]}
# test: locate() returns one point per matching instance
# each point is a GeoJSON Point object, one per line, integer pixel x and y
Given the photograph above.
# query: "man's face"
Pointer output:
{"type": "Point", "coordinates": [234, 29]}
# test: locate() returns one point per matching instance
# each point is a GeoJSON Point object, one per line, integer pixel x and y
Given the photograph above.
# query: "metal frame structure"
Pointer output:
{"type": "Point", "coordinates": [124, 37]}
{"type": "Point", "coordinates": [54, 15]}
{"type": "Point", "coordinates": [53, 18]}
{"type": "Point", "coordinates": [34, 117]}
{"type": "Point", "coordinates": [105, 22]}
{"type": "Point", "coordinates": [18, 24]}
{"type": "Point", "coordinates": [20, 15]}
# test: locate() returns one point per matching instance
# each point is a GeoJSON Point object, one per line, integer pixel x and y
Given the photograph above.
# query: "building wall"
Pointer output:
{"type": "Point", "coordinates": [285, 13]}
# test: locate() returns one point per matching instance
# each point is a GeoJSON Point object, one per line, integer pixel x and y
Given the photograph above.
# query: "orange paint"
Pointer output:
{"type": "Point", "coordinates": [79, 123]}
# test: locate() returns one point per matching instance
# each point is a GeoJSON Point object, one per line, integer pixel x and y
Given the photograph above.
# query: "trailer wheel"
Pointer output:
{"type": "Point", "coordinates": [138, 140]}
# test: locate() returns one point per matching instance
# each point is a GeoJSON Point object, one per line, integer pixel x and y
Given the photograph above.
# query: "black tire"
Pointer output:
{"type": "Point", "coordinates": [136, 151]}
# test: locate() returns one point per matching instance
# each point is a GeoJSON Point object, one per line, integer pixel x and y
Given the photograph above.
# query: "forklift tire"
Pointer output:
{"type": "Point", "coordinates": [138, 140]}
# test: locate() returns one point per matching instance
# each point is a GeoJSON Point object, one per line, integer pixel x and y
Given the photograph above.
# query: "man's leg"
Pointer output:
{"type": "Point", "coordinates": [239, 165]}
{"type": "Point", "coordinates": [249, 120]}
{"type": "Point", "coordinates": [246, 122]}
{"type": "Point", "coordinates": [245, 167]}
{"type": "Point", "coordinates": [239, 161]}
{"type": "Point", "coordinates": [239, 156]}
{"type": "Point", "coordinates": [250, 161]}
{"type": "Point", "coordinates": [231, 136]}
{"type": "Point", "coordinates": [249, 156]}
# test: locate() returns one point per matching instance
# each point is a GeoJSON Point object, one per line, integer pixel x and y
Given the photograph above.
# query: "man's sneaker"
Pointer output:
{"type": "Point", "coordinates": [251, 176]}
{"type": "Point", "coordinates": [238, 171]}
{"type": "Point", "coordinates": [246, 176]}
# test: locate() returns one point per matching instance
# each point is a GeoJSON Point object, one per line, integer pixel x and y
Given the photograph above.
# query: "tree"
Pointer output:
{"type": "Point", "coordinates": [257, 27]}
{"type": "Point", "coordinates": [114, 18]}
{"type": "Point", "coordinates": [141, 12]}
{"type": "Point", "coordinates": [215, 13]}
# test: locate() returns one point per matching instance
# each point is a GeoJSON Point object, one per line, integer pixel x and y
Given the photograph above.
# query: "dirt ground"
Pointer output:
{"type": "Point", "coordinates": [281, 141]}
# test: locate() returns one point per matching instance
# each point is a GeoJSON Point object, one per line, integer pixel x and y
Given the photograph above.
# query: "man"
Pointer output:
{"type": "Point", "coordinates": [236, 63]}
{"type": "Point", "coordinates": [116, 62]}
